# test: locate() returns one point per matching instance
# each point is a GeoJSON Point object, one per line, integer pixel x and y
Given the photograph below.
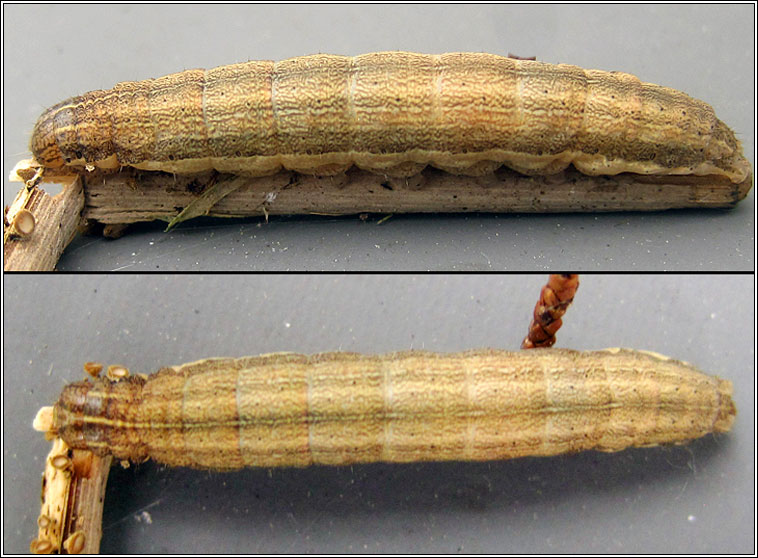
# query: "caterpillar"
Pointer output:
{"type": "Point", "coordinates": [287, 409]}
{"type": "Point", "coordinates": [393, 113]}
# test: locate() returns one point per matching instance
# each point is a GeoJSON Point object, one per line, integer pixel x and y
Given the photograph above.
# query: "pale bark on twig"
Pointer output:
{"type": "Point", "coordinates": [73, 494]}
{"type": "Point", "coordinates": [56, 220]}
{"type": "Point", "coordinates": [132, 196]}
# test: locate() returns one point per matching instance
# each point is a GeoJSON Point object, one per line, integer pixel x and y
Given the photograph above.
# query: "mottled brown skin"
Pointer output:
{"type": "Point", "coordinates": [391, 113]}
{"type": "Point", "coordinates": [341, 408]}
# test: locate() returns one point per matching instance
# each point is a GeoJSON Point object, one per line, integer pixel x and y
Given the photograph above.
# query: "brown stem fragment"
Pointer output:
{"type": "Point", "coordinates": [555, 298]}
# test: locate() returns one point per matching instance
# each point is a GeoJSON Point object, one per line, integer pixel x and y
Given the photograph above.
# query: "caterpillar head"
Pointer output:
{"type": "Point", "coordinates": [56, 124]}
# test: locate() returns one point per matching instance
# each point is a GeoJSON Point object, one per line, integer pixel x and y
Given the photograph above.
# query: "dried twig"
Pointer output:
{"type": "Point", "coordinates": [38, 227]}
{"type": "Point", "coordinates": [73, 492]}
{"type": "Point", "coordinates": [555, 298]}
{"type": "Point", "coordinates": [131, 196]}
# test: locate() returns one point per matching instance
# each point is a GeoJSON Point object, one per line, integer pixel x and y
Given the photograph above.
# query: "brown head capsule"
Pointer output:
{"type": "Point", "coordinates": [342, 408]}
{"type": "Point", "coordinates": [392, 113]}
{"type": "Point", "coordinates": [84, 415]}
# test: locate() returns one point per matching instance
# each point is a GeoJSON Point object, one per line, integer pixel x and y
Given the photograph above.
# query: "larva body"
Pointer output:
{"type": "Point", "coordinates": [341, 408]}
{"type": "Point", "coordinates": [392, 113]}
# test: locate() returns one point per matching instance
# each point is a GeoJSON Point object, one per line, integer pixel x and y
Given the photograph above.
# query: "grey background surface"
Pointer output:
{"type": "Point", "coordinates": [53, 52]}
{"type": "Point", "coordinates": [696, 499]}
